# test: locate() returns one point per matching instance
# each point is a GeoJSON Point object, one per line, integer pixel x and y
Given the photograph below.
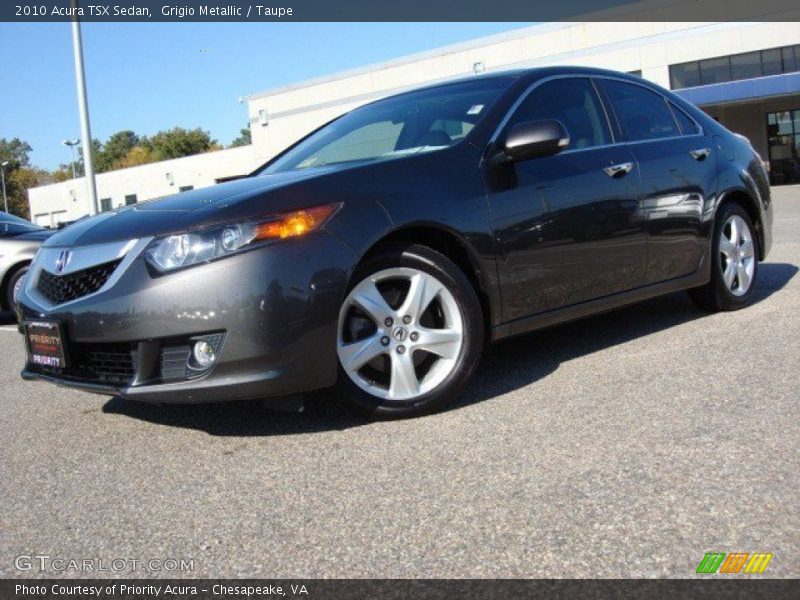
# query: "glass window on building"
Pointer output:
{"type": "Point", "coordinates": [715, 70]}
{"type": "Point", "coordinates": [736, 67]}
{"type": "Point", "coordinates": [130, 199]}
{"type": "Point", "coordinates": [186, 188]}
{"type": "Point", "coordinates": [105, 204]}
{"type": "Point", "coordinates": [790, 57]}
{"type": "Point", "coordinates": [783, 142]}
{"type": "Point", "coordinates": [684, 75]}
{"type": "Point", "coordinates": [746, 66]}
{"type": "Point", "coordinates": [772, 61]}
{"type": "Point", "coordinates": [637, 72]}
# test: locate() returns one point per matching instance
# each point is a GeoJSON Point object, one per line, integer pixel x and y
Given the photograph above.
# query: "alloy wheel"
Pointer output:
{"type": "Point", "coordinates": [737, 255]}
{"type": "Point", "coordinates": [401, 332]}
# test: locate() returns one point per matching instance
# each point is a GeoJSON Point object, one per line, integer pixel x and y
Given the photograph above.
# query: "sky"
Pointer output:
{"type": "Point", "coordinates": [152, 76]}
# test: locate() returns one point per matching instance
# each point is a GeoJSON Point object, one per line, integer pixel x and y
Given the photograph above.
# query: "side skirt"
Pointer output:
{"type": "Point", "coordinates": [603, 304]}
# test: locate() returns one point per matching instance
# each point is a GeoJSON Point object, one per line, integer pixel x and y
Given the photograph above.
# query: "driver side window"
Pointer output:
{"type": "Point", "coordinates": [575, 104]}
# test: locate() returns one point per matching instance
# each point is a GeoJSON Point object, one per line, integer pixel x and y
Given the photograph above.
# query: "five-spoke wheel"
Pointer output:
{"type": "Point", "coordinates": [410, 333]}
{"type": "Point", "coordinates": [734, 267]}
{"type": "Point", "coordinates": [401, 333]}
{"type": "Point", "coordinates": [737, 255]}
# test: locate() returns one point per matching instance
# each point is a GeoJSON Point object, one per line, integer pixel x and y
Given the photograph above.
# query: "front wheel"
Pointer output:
{"type": "Point", "coordinates": [410, 334]}
{"type": "Point", "coordinates": [734, 267]}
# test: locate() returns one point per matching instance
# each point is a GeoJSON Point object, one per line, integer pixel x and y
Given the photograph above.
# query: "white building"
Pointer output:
{"type": "Point", "coordinates": [747, 75]}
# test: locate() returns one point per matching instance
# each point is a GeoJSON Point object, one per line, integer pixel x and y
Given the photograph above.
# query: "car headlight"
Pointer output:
{"type": "Point", "coordinates": [186, 249]}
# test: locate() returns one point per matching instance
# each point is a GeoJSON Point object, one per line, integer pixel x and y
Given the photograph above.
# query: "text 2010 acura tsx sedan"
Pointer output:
{"type": "Point", "coordinates": [381, 252]}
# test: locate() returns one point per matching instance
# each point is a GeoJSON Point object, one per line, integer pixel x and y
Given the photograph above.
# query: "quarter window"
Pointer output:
{"type": "Point", "coordinates": [642, 113]}
{"type": "Point", "coordinates": [574, 103]}
{"type": "Point", "coordinates": [687, 125]}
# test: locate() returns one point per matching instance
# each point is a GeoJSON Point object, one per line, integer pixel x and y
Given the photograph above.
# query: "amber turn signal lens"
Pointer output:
{"type": "Point", "coordinates": [296, 223]}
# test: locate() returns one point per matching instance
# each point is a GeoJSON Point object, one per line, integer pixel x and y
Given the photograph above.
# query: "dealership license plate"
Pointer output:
{"type": "Point", "coordinates": [45, 347]}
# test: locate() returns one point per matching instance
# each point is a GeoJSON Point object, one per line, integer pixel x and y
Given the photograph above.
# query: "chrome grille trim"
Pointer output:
{"type": "Point", "coordinates": [83, 257]}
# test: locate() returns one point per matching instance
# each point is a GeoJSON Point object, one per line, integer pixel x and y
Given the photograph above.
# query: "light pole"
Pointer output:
{"type": "Point", "coordinates": [3, 166]}
{"type": "Point", "coordinates": [72, 144]}
{"type": "Point", "coordinates": [83, 111]}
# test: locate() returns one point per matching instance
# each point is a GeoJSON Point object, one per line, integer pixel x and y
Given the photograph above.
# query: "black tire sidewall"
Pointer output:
{"type": "Point", "coordinates": [12, 281]}
{"type": "Point", "coordinates": [438, 265]}
{"type": "Point", "coordinates": [726, 300]}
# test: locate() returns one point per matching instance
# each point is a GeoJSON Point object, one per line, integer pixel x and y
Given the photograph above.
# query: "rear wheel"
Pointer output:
{"type": "Point", "coordinates": [734, 268]}
{"type": "Point", "coordinates": [410, 334]}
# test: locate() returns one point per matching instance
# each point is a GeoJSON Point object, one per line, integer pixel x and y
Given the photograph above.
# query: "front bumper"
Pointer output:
{"type": "Point", "coordinates": [276, 306]}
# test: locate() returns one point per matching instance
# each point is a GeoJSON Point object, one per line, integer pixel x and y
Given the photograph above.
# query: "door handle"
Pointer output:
{"type": "Point", "coordinates": [619, 170]}
{"type": "Point", "coordinates": [700, 153]}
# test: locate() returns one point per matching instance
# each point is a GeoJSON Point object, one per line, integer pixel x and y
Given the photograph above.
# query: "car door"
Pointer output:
{"type": "Point", "coordinates": [677, 168]}
{"type": "Point", "coordinates": [567, 226]}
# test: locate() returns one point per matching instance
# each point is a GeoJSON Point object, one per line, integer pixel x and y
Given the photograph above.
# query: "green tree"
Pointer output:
{"type": "Point", "coordinates": [15, 151]}
{"type": "Point", "coordinates": [178, 142]}
{"type": "Point", "coordinates": [115, 149]}
{"type": "Point", "coordinates": [244, 138]}
{"type": "Point", "coordinates": [139, 155]}
{"type": "Point", "coordinates": [17, 185]}
{"type": "Point", "coordinates": [19, 175]}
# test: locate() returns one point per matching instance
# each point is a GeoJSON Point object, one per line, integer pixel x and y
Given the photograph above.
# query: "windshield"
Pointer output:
{"type": "Point", "coordinates": [11, 225]}
{"type": "Point", "coordinates": [422, 121]}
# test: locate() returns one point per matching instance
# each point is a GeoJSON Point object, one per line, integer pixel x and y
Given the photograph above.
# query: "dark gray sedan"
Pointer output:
{"type": "Point", "coordinates": [380, 253]}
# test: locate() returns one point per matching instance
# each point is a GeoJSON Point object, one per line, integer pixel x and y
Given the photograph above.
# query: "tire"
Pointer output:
{"type": "Point", "coordinates": [388, 368]}
{"type": "Point", "coordinates": [734, 262]}
{"type": "Point", "coordinates": [13, 282]}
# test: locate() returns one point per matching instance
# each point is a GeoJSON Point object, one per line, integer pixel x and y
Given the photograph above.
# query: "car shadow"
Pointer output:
{"type": "Point", "coordinates": [506, 366]}
{"type": "Point", "coordinates": [8, 317]}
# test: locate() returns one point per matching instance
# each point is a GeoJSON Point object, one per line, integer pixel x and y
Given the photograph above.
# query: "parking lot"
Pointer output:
{"type": "Point", "coordinates": [628, 444]}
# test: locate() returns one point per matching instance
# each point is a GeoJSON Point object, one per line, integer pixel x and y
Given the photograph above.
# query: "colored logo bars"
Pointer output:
{"type": "Point", "coordinates": [734, 562]}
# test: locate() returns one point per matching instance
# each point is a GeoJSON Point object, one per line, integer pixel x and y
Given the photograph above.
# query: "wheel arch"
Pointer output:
{"type": "Point", "coordinates": [457, 249]}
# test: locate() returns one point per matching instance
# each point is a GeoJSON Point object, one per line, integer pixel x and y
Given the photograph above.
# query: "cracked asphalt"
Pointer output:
{"type": "Point", "coordinates": [624, 445]}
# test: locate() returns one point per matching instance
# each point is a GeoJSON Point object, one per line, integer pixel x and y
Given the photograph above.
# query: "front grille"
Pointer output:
{"type": "Point", "coordinates": [63, 288]}
{"type": "Point", "coordinates": [111, 364]}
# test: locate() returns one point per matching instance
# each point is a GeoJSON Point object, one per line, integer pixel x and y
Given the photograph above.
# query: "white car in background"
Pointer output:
{"type": "Point", "coordinates": [19, 241]}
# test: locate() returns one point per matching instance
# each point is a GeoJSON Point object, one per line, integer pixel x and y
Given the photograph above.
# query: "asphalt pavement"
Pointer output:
{"type": "Point", "coordinates": [628, 444]}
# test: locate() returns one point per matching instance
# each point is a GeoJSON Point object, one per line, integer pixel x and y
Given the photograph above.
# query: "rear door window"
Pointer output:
{"type": "Point", "coordinates": [642, 113]}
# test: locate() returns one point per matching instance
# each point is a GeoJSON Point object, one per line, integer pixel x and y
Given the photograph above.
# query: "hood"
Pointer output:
{"type": "Point", "coordinates": [242, 199]}
{"type": "Point", "coordinates": [34, 236]}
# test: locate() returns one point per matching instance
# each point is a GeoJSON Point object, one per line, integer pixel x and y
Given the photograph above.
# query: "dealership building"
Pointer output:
{"type": "Point", "coordinates": [745, 75]}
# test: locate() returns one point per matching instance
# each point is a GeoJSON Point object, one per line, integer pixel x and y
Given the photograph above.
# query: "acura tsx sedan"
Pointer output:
{"type": "Point", "coordinates": [379, 254]}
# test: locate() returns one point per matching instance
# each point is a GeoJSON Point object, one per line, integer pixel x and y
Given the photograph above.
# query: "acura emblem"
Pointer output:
{"type": "Point", "coordinates": [399, 333]}
{"type": "Point", "coordinates": [63, 260]}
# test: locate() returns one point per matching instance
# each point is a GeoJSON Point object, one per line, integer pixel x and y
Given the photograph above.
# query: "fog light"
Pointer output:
{"type": "Point", "coordinates": [204, 354]}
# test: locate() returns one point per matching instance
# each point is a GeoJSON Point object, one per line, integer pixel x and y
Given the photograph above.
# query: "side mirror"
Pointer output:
{"type": "Point", "coordinates": [534, 139]}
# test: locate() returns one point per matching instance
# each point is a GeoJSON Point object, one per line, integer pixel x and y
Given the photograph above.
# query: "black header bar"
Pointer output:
{"type": "Point", "coordinates": [255, 11]}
